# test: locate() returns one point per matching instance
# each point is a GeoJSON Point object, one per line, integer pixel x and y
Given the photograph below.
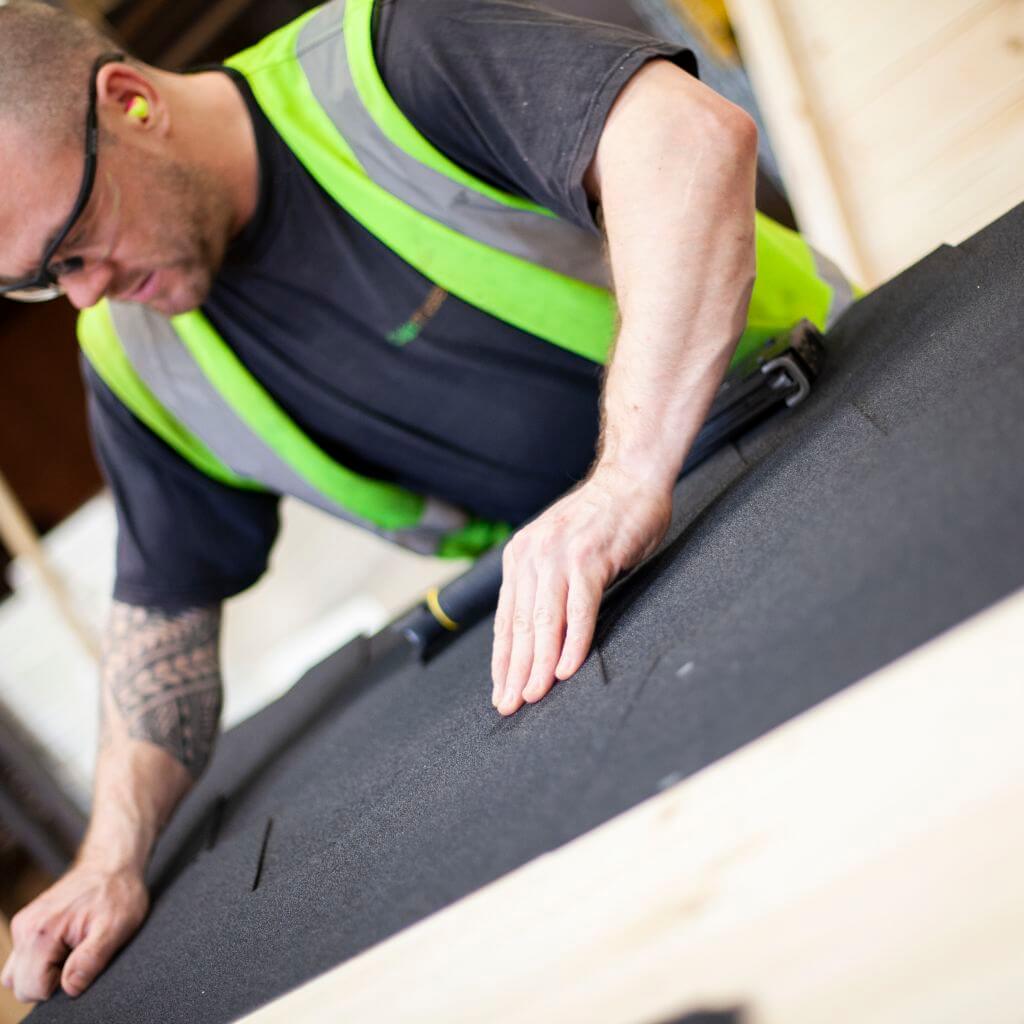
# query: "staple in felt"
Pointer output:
{"type": "Point", "coordinates": [831, 540]}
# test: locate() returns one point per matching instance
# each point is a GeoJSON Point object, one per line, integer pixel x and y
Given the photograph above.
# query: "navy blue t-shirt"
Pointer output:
{"type": "Point", "coordinates": [387, 373]}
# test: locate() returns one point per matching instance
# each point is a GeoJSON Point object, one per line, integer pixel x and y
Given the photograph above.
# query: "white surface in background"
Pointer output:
{"type": "Point", "coordinates": [327, 583]}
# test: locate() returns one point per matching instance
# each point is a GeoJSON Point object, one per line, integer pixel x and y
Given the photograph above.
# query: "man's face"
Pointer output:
{"type": "Point", "coordinates": [154, 230]}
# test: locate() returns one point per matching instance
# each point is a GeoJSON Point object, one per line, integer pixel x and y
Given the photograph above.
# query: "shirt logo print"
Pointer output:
{"type": "Point", "coordinates": [411, 329]}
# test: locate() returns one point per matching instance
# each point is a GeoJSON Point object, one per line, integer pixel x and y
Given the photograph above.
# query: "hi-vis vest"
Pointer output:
{"type": "Point", "coordinates": [318, 84]}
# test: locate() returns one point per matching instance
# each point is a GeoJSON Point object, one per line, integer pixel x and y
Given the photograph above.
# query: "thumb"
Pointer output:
{"type": "Point", "coordinates": [89, 959]}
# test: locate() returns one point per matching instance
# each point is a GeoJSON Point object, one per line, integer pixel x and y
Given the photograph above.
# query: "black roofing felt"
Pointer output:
{"type": "Point", "coordinates": [884, 510]}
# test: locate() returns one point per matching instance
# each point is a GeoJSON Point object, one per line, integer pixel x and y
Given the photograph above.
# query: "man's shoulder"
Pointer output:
{"type": "Point", "coordinates": [513, 92]}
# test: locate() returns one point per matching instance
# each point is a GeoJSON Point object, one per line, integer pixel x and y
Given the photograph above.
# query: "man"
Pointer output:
{"type": "Point", "coordinates": [362, 266]}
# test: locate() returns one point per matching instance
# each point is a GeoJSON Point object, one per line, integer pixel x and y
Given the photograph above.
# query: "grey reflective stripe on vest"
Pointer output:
{"type": "Point", "coordinates": [164, 362]}
{"type": "Point", "coordinates": [548, 241]}
{"type": "Point", "coordinates": [842, 292]}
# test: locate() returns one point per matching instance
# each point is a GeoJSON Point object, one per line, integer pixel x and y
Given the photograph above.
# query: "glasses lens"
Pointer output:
{"type": "Point", "coordinates": [34, 294]}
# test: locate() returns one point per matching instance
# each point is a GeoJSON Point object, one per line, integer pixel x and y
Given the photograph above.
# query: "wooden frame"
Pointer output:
{"type": "Point", "coordinates": [897, 127]}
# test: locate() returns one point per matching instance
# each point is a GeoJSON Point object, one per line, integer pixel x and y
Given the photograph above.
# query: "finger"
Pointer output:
{"type": "Point", "coordinates": [89, 958]}
{"type": "Point", "coordinates": [35, 970]}
{"type": "Point", "coordinates": [582, 606]}
{"type": "Point", "coordinates": [548, 634]}
{"type": "Point", "coordinates": [522, 641]}
{"type": "Point", "coordinates": [502, 649]}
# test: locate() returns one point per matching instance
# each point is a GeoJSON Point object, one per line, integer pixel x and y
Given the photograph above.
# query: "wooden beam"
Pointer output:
{"type": "Point", "coordinates": [814, 185]}
{"type": "Point", "coordinates": [21, 540]}
{"type": "Point", "coordinates": [897, 127]}
{"type": "Point", "coordinates": [203, 32]}
{"type": "Point", "coordinates": [860, 863]}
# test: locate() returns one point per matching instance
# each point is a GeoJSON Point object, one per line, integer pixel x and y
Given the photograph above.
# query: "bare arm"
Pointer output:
{"type": "Point", "coordinates": [161, 702]}
{"type": "Point", "coordinates": [674, 173]}
{"type": "Point", "coordinates": [160, 709]}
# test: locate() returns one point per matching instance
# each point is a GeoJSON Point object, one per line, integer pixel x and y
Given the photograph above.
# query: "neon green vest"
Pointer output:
{"type": "Point", "coordinates": [318, 84]}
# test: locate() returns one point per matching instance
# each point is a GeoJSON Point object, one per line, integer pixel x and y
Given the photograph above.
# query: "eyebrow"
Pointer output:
{"type": "Point", "coordinates": [7, 281]}
{"type": "Point", "coordinates": [73, 234]}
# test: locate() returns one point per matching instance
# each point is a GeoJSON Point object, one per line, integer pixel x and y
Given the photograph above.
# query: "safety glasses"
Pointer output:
{"type": "Point", "coordinates": [44, 284]}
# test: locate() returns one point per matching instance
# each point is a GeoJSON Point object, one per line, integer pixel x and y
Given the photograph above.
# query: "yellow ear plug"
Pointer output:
{"type": "Point", "coordinates": [139, 108]}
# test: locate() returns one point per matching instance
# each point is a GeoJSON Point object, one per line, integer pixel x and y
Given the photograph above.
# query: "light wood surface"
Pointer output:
{"type": "Point", "coordinates": [860, 864]}
{"type": "Point", "coordinates": [11, 1011]}
{"type": "Point", "coordinates": [21, 540]}
{"type": "Point", "coordinates": [898, 125]}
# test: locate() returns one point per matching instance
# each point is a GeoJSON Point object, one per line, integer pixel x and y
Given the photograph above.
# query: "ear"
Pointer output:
{"type": "Point", "coordinates": [129, 98]}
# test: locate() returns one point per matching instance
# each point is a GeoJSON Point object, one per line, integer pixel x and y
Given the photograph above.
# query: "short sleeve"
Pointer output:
{"type": "Point", "coordinates": [184, 540]}
{"type": "Point", "coordinates": [513, 93]}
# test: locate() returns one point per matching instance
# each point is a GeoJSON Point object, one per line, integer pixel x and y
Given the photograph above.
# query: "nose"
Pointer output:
{"type": "Point", "coordinates": [86, 287]}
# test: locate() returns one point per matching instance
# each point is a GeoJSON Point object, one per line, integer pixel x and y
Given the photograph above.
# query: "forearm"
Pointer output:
{"type": "Point", "coordinates": [160, 709]}
{"type": "Point", "coordinates": [674, 174]}
{"type": "Point", "coordinates": [160, 704]}
{"type": "Point", "coordinates": [677, 194]}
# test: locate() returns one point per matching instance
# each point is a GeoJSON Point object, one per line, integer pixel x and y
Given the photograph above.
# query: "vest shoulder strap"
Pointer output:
{"type": "Point", "coordinates": [316, 81]}
{"type": "Point", "coordinates": [99, 341]}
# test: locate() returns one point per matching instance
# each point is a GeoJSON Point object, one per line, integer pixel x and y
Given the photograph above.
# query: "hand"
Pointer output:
{"type": "Point", "coordinates": [89, 913]}
{"type": "Point", "coordinates": [555, 570]}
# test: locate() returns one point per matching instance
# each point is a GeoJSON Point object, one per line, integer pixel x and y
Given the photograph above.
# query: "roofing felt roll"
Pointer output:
{"type": "Point", "coordinates": [846, 532]}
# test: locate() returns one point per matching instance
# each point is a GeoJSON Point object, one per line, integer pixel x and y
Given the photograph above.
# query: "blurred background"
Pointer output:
{"type": "Point", "coordinates": [887, 129]}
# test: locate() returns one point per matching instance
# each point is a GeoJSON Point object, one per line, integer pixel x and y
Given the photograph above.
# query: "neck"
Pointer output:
{"type": "Point", "coordinates": [213, 119]}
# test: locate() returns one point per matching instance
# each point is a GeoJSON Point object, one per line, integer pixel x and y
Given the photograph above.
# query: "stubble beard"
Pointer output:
{"type": "Point", "coordinates": [201, 211]}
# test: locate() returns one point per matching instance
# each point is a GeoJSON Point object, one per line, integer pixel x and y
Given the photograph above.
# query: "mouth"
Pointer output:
{"type": "Point", "coordinates": [144, 291]}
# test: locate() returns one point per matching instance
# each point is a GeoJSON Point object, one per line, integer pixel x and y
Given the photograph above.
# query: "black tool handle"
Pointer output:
{"type": "Point", "coordinates": [456, 607]}
{"type": "Point", "coordinates": [474, 594]}
{"type": "Point", "coordinates": [745, 397]}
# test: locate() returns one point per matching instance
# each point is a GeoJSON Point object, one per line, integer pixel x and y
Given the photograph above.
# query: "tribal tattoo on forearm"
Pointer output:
{"type": "Point", "coordinates": [162, 673]}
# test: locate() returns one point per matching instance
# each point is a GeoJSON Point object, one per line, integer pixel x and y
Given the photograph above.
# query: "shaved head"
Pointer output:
{"type": "Point", "coordinates": [170, 188]}
{"type": "Point", "coordinates": [45, 58]}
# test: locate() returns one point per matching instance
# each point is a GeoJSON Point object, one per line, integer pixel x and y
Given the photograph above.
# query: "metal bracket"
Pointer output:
{"type": "Point", "coordinates": [790, 366]}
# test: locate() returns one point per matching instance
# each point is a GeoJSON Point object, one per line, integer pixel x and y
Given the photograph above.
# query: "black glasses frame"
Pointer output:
{"type": "Point", "coordinates": [45, 279]}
